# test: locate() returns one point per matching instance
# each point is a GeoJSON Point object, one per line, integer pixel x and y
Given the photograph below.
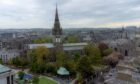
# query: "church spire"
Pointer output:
{"type": "Point", "coordinates": [57, 30]}
{"type": "Point", "coordinates": [56, 14]}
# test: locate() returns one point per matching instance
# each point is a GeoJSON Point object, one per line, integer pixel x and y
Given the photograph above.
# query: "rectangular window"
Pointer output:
{"type": "Point", "coordinates": [8, 80]}
{"type": "Point", "coordinates": [12, 79]}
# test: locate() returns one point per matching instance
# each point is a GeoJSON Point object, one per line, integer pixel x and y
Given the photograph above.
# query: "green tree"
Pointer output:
{"type": "Point", "coordinates": [46, 39]}
{"type": "Point", "coordinates": [19, 61]}
{"type": "Point", "coordinates": [61, 58]}
{"type": "Point", "coordinates": [76, 57]}
{"type": "Point", "coordinates": [42, 53]}
{"type": "Point", "coordinates": [94, 54]}
{"type": "Point", "coordinates": [71, 39]}
{"type": "Point", "coordinates": [35, 80]}
{"type": "Point", "coordinates": [71, 66]}
{"type": "Point", "coordinates": [38, 57]}
{"type": "Point", "coordinates": [51, 68]}
{"type": "Point", "coordinates": [38, 68]}
{"type": "Point", "coordinates": [84, 67]}
{"type": "Point", "coordinates": [32, 55]}
{"type": "Point", "coordinates": [34, 67]}
{"type": "Point", "coordinates": [16, 61]}
{"type": "Point", "coordinates": [39, 54]}
{"type": "Point", "coordinates": [1, 61]}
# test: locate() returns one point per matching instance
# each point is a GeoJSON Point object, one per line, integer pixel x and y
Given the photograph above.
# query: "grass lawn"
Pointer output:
{"type": "Point", "coordinates": [45, 80]}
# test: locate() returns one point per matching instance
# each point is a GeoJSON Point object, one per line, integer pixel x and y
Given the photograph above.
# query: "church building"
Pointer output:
{"type": "Point", "coordinates": [57, 33]}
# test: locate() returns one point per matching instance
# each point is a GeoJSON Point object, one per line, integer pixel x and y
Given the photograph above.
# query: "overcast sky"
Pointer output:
{"type": "Point", "coordinates": [73, 13]}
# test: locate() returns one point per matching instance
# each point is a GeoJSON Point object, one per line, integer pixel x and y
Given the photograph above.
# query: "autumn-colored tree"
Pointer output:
{"type": "Point", "coordinates": [38, 59]}
{"type": "Point", "coordinates": [113, 59]}
{"type": "Point", "coordinates": [93, 52]}
{"type": "Point", "coordinates": [103, 48]}
{"type": "Point", "coordinates": [42, 53]}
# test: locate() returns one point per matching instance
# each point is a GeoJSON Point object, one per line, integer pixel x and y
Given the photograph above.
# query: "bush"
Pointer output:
{"type": "Point", "coordinates": [35, 80]}
{"type": "Point", "coordinates": [1, 61]}
{"type": "Point", "coordinates": [21, 75]}
{"type": "Point", "coordinates": [19, 61]}
{"type": "Point", "coordinates": [38, 68]}
{"type": "Point", "coordinates": [51, 68]}
{"type": "Point", "coordinates": [70, 65]}
{"type": "Point", "coordinates": [16, 61]}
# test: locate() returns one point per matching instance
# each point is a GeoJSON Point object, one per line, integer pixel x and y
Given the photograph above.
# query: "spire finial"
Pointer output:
{"type": "Point", "coordinates": [56, 14]}
{"type": "Point", "coordinates": [56, 4]}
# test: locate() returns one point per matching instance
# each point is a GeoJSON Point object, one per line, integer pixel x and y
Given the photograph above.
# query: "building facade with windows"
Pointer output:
{"type": "Point", "coordinates": [6, 55]}
{"type": "Point", "coordinates": [6, 75]}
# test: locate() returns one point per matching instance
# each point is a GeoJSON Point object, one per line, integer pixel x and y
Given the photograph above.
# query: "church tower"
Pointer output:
{"type": "Point", "coordinates": [57, 31]}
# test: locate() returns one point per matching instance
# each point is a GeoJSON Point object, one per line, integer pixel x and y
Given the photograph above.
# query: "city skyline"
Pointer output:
{"type": "Point", "coordinates": [73, 13]}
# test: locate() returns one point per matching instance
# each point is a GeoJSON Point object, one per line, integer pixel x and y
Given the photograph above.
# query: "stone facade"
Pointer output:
{"type": "Point", "coordinates": [124, 46]}
{"type": "Point", "coordinates": [7, 55]}
{"type": "Point", "coordinates": [6, 75]}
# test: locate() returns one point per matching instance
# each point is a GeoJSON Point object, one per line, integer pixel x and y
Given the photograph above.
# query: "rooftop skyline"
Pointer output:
{"type": "Point", "coordinates": [72, 13]}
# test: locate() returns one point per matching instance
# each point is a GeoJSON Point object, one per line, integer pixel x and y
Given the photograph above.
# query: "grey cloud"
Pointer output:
{"type": "Point", "coordinates": [92, 12]}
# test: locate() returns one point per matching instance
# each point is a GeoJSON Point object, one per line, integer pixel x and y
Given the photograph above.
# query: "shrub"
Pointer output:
{"type": "Point", "coordinates": [51, 68]}
{"type": "Point", "coordinates": [21, 75]}
{"type": "Point", "coordinates": [35, 80]}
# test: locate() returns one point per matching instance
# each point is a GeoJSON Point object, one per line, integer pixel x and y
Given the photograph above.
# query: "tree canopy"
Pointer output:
{"type": "Point", "coordinates": [61, 58]}
{"type": "Point", "coordinates": [94, 53]}
{"type": "Point", "coordinates": [38, 57]}
{"type": "Point", "coordinates": [71, 39]}
{"type": "Point", "coordinates": [46, 39]}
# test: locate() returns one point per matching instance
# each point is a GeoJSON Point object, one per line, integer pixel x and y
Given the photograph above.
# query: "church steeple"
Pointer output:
{"type": "Point", "coordinates": [56, 15]}
{"type": "Point", "coordinates": [57, 30]}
